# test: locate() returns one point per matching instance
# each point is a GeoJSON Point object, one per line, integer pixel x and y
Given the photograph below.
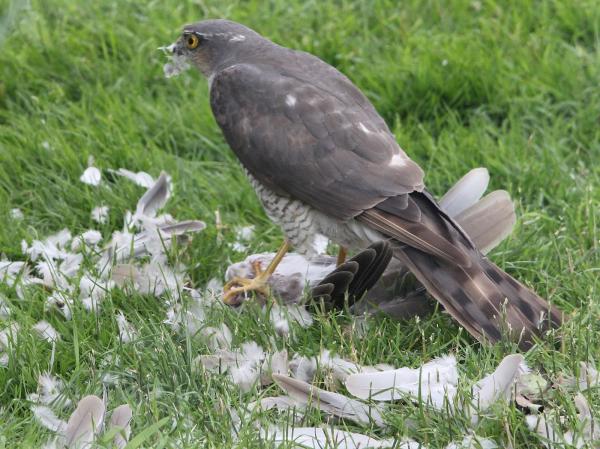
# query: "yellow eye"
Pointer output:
{"type": "Point", "coordinates": [192, 41]}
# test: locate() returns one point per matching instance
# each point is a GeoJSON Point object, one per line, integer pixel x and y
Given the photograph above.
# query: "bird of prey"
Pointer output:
{"type": "Point", "coordinates": [324, 163]}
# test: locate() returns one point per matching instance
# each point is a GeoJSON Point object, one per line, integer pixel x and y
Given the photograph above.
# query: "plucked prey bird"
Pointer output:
{"type": "Point", "coordinates": [324, 163]}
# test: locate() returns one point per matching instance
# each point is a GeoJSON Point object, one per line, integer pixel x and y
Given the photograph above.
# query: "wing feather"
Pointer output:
{"type": "Point", "coordinates": [299, 139]}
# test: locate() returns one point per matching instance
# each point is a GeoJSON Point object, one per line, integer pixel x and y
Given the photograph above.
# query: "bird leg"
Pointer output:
{"type": "Point", "coordinates": [341, 258]}
{"type": "Point", "coordinates": [259, 283]}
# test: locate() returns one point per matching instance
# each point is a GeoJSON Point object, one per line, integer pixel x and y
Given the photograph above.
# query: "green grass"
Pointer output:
{"type": "Point", "coordinates": [510, 85]}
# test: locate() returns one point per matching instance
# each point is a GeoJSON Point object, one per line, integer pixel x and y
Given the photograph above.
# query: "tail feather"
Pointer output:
{"type": "Point", "coordinates": [489, 221]}
{"type": "Point", "coordinates": [489, 308]}
{"type": "Point", "coordinates": [488, 302]}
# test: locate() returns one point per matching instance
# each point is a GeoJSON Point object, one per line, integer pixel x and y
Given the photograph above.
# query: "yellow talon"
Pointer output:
{"type": "Point", "coordinates": [258, 284]}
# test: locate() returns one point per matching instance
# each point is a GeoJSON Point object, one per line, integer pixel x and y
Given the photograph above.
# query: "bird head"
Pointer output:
{"type": "Point", "coordinates": [212, 45]}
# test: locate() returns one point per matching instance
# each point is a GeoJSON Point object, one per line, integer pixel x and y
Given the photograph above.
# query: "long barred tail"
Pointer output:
{"type": "Point", "coordinates": [488, 302]}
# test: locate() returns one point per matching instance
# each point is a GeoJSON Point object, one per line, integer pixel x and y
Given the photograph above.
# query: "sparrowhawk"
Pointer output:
{"type": "Point", "coordinates": [324, 163]}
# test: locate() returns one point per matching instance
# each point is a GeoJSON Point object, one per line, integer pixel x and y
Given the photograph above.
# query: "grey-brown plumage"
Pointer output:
{"type": "Point", "coordinates": [309, 138]}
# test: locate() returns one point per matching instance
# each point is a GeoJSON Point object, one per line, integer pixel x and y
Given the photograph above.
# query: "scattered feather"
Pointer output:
{"type": "Point", "coordinates": [177, 64]}
{"type": "Point", "coordinates": [8, 337]}
{"type": "Point", "coordinates": [153, 200]}
{"type": "Point", "coordinates": [47, 418]}
{"type": "Point", "coordinates": [332, 403]}
{"type": "Point", "coordinates": [89, 238]}
{"type": "Point", "coordinates": [320, 438]}
{"type": "Point", "coordinates": [217, 338]}
{"type": "Point", "coordinates": [243, 366]}
{"type": "Point", "coordinates": [551, 438]}
{"type": "Point", "coordinates": [434, 383]}
{"type": "Point", "coordinates": [340, 368]}
{"type": "Point", "coordinates": [85, 422]}
{"type": "Point", "coordinates": [4, 308]}
{"type": "Point", "coordinates": [190, 317]}
{"type": "Point", "coordinates": [91, 176]}
{"type": "Point", "coordinates": [466, 192]}
{"type": "Point", "coordinates": [281, 318]}
{"type": "Point", "coordinates": [473, 442]}
{"type": "Point", "coordinates": [589, 377]}
{"type": "Point", "coordinates": [303, 368]}
{"type": "Point", "coordinates": [496, 386]}
{"type": "Point", "coordinates": [50, 389]}
{"type": "Point", "coordinates": [63, 303]}
{"type": "Point", "coordinates": [16, 214]}
{"type": "Point", "coordinates": [141, 178]}
{"type": "Point", "coordinates": [127, 333]}
{"type": "Point", "coordinates": [46, 332]}
{"type": "Point", "coordinates": [281, 403]}
{"type": "Point", "coordinates": [9, 271]}
{"type": "Point", "coordinates": [100, 214]}
{"type": "Point", "coordinates": [276, 363]}
{"type": "Point", "coordinates": [245, 233]}
{"type": "Point", "coordinates": [121, 420]}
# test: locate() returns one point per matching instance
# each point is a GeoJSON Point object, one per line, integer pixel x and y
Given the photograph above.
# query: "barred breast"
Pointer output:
{"type": "Point", "coordinates": [295, 218]}
{"type": "Point", "coordinates": [308, 229]}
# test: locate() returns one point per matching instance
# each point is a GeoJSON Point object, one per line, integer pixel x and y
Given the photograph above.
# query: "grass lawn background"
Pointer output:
{"type": "Point", "coordinates": [510, 85]}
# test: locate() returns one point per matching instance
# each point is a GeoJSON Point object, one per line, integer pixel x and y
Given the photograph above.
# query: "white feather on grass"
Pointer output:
{"type": "Point", "coordinates": [280, 403]}
{"type": "Point", "coordinates": [153, 200]}
{"type": "Point", "coordinates": [589, 377]}
{"type": "Point", "coordinates": [4, 308]}
{"type": "Point", "coordinates": [190, 317]}
{"type": "Point", "coordinates": [49, 390]}
{"type": "Point", "coordinates": [120, 420]}
{"type": "Point", "coordinates": [473, 442]}
{"type": "Point", "coordinates": [243, 366]}
{"type": "Point", "coordinates": [434, 382]}
{"type": "Point", "coordinates": [89, 238]}
{"type": "Point", "coordinates": [46, 331]}
{"type": "Point", "coordinates": [303, 368]}
{"type": "Point", "coordinates": [91, 176]}
{"type": "Point", "coordinates": [339, 368]}
{"type": "Point", "coordinates": [466, 192]}
{"type": "Point", "coordinates": [332, 403]}
{"type": "Point", "coordinates": [8, 338]}
{"type": "Point", "coordinates": [52, 247]}
{"type": "Point", "coordinates": [548, 427]}
{"type": "Point", "coordinates": [62, 302]}
{"type": "Point", "coordinates": [551, 438]}
{"type": "Point", "coordinates": [99, 214]}
{"type": "Point", "coordinates": [590, 427]}
{"type": "Point", "coordinates": [245, 233]}
{"type": "Point", "coordinates": [180, 228]}
{"type": "Point", "coordinates": [16, 214]}
{"type": "Point", "coordinates": [283, 317]}
{"type": "Point", "coordinates": [127, 332]}
{"type": "Point", "coordinates": [217, 337]}
{"type": "Point", "coordinates": [10, 270]}
{"type": "Point", "coordinates": [85, 422]}
{"type": "Point", "coordinates": [141, 178]}
{"type": "Point", "coordinates": [320, 438]}
{"type": "Point", "coordinates": [495, 387]}
{"type": "Point", "coordinates": [47, 418]}
{"type": "Point", "coordinates": [276, 363]}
